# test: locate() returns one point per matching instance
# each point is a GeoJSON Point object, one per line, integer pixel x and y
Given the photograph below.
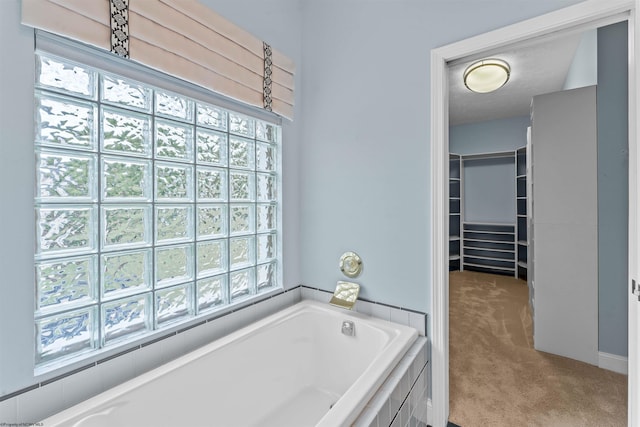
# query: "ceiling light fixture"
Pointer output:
{"type": "Point", "coordinates": [486, 75]}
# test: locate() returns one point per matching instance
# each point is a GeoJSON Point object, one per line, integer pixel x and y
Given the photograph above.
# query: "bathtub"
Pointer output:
{"type": "Point", "coordinates": [294, 368]}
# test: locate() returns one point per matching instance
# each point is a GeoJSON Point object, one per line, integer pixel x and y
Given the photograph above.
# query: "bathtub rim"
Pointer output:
{"type": "Point", "coordinates": [371, 379]}
{"type": "Point", "coordinates": [344, 413]}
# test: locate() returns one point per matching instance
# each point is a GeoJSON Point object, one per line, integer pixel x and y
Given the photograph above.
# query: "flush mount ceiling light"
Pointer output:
{"type": "Point", "coordinates": [486, 75]}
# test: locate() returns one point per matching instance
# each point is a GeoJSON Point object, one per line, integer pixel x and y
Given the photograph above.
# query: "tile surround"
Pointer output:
{"type": "Point", "coordinates": [397, 399]}
{"type": "Point", "coordinates": [39, 403]}
{"type": "Point", "coordinates": [402, 398]}
{"type": "Point", "coordinates": [9, 409]}
{"type": "Point", "coordinates": [54, 395]}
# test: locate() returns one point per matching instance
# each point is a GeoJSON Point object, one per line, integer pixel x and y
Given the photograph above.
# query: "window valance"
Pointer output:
{"type": "Point", "coordinates": [182, 38]}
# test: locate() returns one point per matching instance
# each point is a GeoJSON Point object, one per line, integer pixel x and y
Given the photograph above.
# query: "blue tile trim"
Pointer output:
{"type": "Point", "coordinates": [75, 371]}
{"type": "Point", "coordinates": [19, 392]}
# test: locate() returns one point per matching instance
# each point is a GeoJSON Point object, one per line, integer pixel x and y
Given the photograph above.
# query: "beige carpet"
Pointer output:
{"type": "Point", "coordinates": [496, 378]}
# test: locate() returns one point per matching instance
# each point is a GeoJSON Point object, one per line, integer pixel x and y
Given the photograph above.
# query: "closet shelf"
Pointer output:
{"type": "Point", "coordinates": [490, 267]}
{"type": "Point", "coordinates": [504, 251]}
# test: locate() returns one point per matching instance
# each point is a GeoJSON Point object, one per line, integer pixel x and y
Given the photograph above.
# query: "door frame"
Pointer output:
{"type": "Point", "coordinates": [581, 16]}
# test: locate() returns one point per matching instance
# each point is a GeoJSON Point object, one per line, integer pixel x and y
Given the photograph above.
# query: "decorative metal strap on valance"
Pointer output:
{"type": "Point", "coordinates": [266, 86]}
{"type": "Point", "coordinates": [182, 38]}
{"type": "Point", "coordinates": [120, 27]}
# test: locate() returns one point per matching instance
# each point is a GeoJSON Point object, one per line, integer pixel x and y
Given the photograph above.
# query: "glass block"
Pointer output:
{"type": "Point", "coordinates": [242, 125]}
{"type": "Point", "coordinates": [242, 219]}
{"type": "Point", "coordinates": [126, 226]}
{"type": "Point", "coordinates": [126, 92]}
{"type": "Point", "coordinates": [211, 292]}
{"type": "Point", "coordinates": [173, 304]}
{"type": "Point", "coordinates": [125, 273]}
{"type": "Point", "coordinates": [266, 276]}
{"type": "Point", "coordinates": [66, 334]}
{"type": "Point", "coordinates": [242, 283]}
{"type": "Point", "coordinates": [211, 116]}
{"type": "Point", "coordinates": [63, 177]}
{"type": "Point", "coordinates": [266, 247]}
{"type": "Point", "coordinates": [65, 229]}
{"type": "Point", "coordinates": [241, 185]}
{"type": "Point", "coordinates": [267, 187]}
{"type": "Point", "coordinates": [266, 131]}
{"type": "Point", "coordinates": [266, 217]}
{"type": "Point", "coordinates": [174, 182]}
{"type": "Point", "coordinates": [65, 76]}
{"type": "Point", "coordinates": [124, 318]}
{"type": "Point", "coordinates": [174, 265]}
{"type": "Point", "coordinates": [174, 141]}
{"type": "Point", "coordinates": [241, 251]}
{"type": "Point", "coordinates": [265, 157]}
{"type": "Point", "coordinates": [172, 105]}
{"type": "Point", "coordinates": [66, 281]}
{"type": "Point", "coordinates": [174, 223]}
{"type": "Point", "coordinates": [66, 123]}
{"type": "Point", "coordinates": [241, 153]}
{"type": "Point", "coordinates": [211, 257]}
{"type": "Point", "coordinates": [212, 184]}
{"type": "Point", "coordinates": [212, 147]}
{"type": "Point", "coordinates": [211, 221]}
{"type": "Point", "coordinates": [125, 132]}
{"type": "Point", "coordinates": [126, 179]}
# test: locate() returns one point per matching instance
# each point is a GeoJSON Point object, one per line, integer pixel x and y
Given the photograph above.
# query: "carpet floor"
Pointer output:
{"type": "Point", "coordinates": [497, 378]}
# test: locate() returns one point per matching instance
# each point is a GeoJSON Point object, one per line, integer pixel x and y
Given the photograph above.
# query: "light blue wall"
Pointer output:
{"type": "Point", "coordinates": [365, 157]}
{"type": "Point", "coordinates": [613, 171]}
{"type": "Point", "coordinates": [17, 165]}
{"type": "Point", "coordinates": [489, 186]}
{"type": "Point", "coordinates": [584, 67]}
{"type": "Point", "coordinates": [489, 137]}
{"type": "Point", "coordinates": [356, 157]}
{"type": "Point", "coordinates": [490, 190]}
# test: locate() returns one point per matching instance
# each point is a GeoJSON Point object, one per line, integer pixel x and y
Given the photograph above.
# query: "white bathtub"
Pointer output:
{"type": "Point", "coordinates": [294, 368]}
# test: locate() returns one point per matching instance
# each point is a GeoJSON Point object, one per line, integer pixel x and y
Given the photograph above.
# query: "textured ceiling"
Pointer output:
{"type": "Point", "coordinates": [535, 69]}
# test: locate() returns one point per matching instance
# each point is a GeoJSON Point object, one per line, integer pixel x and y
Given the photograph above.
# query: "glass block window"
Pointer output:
{"type": "Point", "coordinates": [152, 208]}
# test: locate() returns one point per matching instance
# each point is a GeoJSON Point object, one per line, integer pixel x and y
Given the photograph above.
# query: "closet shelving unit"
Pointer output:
{"type": "Point", "coordinates": [521, 213]}
{"type": "Point", "coordinates": [488, 247]}
{"type": "Point", "coordinates": [455, 211]}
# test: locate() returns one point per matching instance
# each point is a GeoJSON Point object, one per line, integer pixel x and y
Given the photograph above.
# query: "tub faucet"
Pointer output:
{"type": "Point", "coordinates": [348, 328]}
{"type": "Point", "coordinates": [345, 295]}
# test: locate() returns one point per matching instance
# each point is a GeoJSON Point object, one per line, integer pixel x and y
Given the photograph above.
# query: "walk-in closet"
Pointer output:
{"type": "Point", "coordinates": [488, 212]}
{"type": "Point", "coordinates": [538, 205]}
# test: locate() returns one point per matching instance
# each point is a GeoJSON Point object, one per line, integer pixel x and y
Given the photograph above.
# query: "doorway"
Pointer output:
{"type": "Point", "coordinates": [575, 18]}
